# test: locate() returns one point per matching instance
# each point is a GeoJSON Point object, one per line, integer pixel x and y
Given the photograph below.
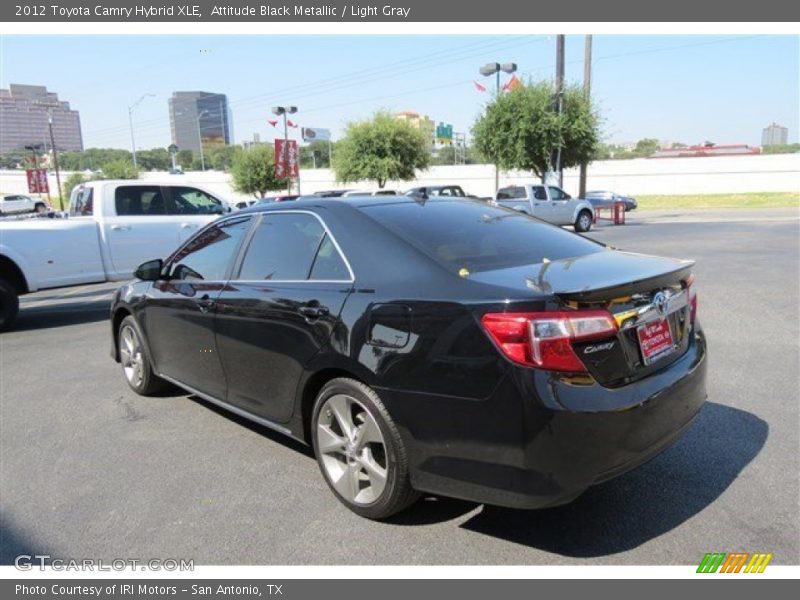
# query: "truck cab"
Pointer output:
{"type": "Point", "coordinates": [136, 219]}
{"type": "Point", "coordinates": [549, 203]}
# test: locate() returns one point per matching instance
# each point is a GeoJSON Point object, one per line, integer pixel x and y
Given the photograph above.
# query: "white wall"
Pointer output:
{"type": "Point", "coordinates": [642, 176]}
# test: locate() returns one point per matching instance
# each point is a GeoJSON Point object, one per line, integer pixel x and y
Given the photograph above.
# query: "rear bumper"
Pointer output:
{"type": "Point", "coordinates": [540, 440]}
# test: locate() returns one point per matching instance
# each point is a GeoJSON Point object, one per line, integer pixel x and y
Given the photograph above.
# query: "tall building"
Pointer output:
{"type": "Point", "coordinates": [774, 135]}
{"type": "Point", "coordinates": [200, 117]}
{"type": "Point", "coordinates": [24, 114]}
{"type": "Point", "coordinates": [422, 122]}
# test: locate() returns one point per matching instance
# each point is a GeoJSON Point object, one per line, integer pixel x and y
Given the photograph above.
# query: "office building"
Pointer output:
{"type": "Point", "coordinates": [197, 118]}
{"type": "Point", "coordinates": [24, 114]}
{"type": "Point", "coordinates": [774, 135]}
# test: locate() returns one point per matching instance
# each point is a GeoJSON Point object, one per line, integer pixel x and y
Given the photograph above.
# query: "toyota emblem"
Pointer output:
{"type": "Point", "coordinates": [661, 302]}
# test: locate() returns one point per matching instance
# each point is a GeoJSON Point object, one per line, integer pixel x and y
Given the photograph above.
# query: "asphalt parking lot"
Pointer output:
{"type": "Point", "coordinates": [90, 470]}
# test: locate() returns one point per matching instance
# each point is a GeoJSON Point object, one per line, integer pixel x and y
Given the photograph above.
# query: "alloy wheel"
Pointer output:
{"type": "Point", "coordinates": [131, 357]}
{"type": "Point", "coordinates": [352, 449]}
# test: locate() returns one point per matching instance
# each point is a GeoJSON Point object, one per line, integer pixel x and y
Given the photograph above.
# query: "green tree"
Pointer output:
{"type": "Point", "coordinates": [221, 158]}
{"type": "Point", "coordinates": [185, 158]}
{"type": "Point", "coordinates": [381, 149]}
{"type": "Point", "coordinates": [521, 129]}
{"type": "Point", "coordinates": [315, 155]}
{"type": "Point", "coordinates": [74, 180]}
{"type": "Point", "coordinates": [645, 147]}
{"type": "Point", "coordinates": [156, 159]}
{"type": "Point", "coordinates": [253, 171]}
{"type": "Point", "coordinates": [120, 169]}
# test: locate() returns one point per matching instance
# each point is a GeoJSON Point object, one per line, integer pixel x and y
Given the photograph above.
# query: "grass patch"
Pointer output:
{"type": "Point", "coordinates": [754, 200]}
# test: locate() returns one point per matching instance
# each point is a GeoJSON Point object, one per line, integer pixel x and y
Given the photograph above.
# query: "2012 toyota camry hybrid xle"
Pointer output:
{"type": "Point", "coordinates": [438, 346]}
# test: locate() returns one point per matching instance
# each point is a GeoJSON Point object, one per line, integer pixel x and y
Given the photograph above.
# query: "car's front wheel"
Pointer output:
{"type": "Point", "coordinates": [360, 451]}
{"type": "Point", "coordinates": [40, 208]}
{"type": "Point", "coordinates": [135, 360]}
{"type": "Point", "coordinates": [584, 221]}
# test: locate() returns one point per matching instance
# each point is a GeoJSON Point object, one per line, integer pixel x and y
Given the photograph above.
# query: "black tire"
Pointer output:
{"type": "Point", "coordinates": [397, 494]}
{"type": "Point", "coordinates": [9, 305]}
{"type": "Point", "coordinates": [39, 208]}
{"type": "Point", "coordinates": [583, 222]}
{"type": "Point", "coordinates": [144, 382]}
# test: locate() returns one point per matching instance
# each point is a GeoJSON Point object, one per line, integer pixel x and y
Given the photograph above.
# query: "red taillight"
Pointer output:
{"type": "Point", "coordinates": [544, 339]}
{"type": "Point", "coordinates": [692, 296]}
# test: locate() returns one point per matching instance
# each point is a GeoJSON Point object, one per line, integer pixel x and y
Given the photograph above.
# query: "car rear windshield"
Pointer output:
{"type": "Point", "coordinates": [477, 237]}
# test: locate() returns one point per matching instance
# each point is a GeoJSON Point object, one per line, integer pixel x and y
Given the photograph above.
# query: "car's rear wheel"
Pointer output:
{"type": "Point", "coordinates": [584, 221]}
{"type": "Point", "coordinates": [360, 451]}
{"type": "Point", "coordinates": [40, 208]}
{"type": "Point", "coordinates": [135, 360]}
{"type": "Point", "coordinates": [9, 304]}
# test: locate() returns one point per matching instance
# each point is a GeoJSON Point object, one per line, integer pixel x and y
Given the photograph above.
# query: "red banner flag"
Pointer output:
{"type": "Point", "coordinates": [37, 181]}
{"type": "Point", "coordinates": [512, 84]}
{"type": "Point", "coordinates": [287, 163]}
{"type": "Point", "coordinates": [291, 124]}
{"type": "Point", "coordinates": [273, 123]}
{"type": "Point", "coordinates": [479, 87]}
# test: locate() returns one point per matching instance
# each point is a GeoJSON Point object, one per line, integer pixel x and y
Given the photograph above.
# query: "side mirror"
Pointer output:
{"type": "Point", "coordinates": [150, 270]}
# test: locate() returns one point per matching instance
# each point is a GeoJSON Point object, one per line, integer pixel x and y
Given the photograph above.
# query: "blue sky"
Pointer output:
{"type": "Point", "coordinates": [683, 88]}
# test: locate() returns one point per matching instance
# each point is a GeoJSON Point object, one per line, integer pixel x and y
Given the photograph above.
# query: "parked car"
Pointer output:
{"type": "Point", "coordinates": [549, 203]}
{"type": "Point", "coordinates": [112, 227]}
{"type": "Point", "coordinates": [12, 204]}
{"type": "Point", "coordinates": [604, 199]}
{"type": "Point", "coordinates": [500, 359]}
{"type": "Point", "coordinates": [330, 193]}
{"type": "Point", "coordinates": [378, 192]}
{"type": "Point", "coordinates": [279, 198]}
{"type": "Point", "coordinates": [448, 191]}
{"type": "Point", "coordinates": [426, 191]}
{"type": "Point", "coordinates": [240, 204]}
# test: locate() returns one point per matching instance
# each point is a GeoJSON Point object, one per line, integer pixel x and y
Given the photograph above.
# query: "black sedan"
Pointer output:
{"type": "Point", "coordinates": [443, 346]}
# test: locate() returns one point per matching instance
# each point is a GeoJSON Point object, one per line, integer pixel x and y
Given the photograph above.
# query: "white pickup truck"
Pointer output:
{"type": "Point", "coordinates": [549, 203]}
{"type": "Point", "coordinates": [113, 226]}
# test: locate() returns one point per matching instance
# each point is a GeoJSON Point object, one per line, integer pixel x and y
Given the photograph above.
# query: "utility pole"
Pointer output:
{"type": "Point", "coordinates": [587, 91]}
{"type": "Point", "coordinates": [559, 100]}
{"type": "Point", "coordinates": [55, 159]}
{"type": "Point", "coordinates": [132, 108]}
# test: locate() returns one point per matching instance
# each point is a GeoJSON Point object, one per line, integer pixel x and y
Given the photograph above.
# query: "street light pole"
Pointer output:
{"type": "Point", "coordinates": [55, 159]}
{"type": "Point", "coordinates": [131, 108]}
{"type": "Point", "coordinates": [494, 69]}
{"type": "Point", "coordinates": [200, 140]}
{"type": "Point", "coordinates": [587, 90]}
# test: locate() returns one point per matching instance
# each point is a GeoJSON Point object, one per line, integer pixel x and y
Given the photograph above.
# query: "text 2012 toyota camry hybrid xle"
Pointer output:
{"type": "Point", "coordinates": [437, 346]}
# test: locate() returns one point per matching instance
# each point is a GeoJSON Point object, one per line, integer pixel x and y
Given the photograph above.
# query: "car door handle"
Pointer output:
{"type": "Point", "coordinates": [205, 303]}
{"type": "Point", "coordinates": [121, 227]}
{"type": "Point", "coordinates": [313, 311]}
{"type": "Point", "coordinates": [188, 226]}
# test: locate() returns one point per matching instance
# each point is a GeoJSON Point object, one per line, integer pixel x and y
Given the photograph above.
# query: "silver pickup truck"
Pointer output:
{"type": "Point", "coordinates": [549, 203]}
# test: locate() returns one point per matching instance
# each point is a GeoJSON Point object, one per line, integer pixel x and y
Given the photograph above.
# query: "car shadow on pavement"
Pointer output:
{"type": "Point", "coordinates": [643, 504]}
{"type": "Point", "coordinates": [268, 433]}
{"type": "Point", "coordinates": [14, 544]}
{"type": "Point", "coordinates": [60, 315]}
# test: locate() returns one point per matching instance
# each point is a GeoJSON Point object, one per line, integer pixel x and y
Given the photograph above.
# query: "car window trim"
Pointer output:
{"type": "Point", "coordinates": [238, 266]}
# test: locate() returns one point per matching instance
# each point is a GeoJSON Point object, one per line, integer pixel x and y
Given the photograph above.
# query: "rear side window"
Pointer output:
{"type": "Point", "coordinates": [511, 193]}
{"type": "Point", "coordinates": [139, 200]}
{"type": "Point", "coordinates": [478, 237]}
{"type": "Point", "coordinates": [329, 264]}
{"type": "Point", "coordinates": [207, 256]}
{"type": "Point", "coordinates": [282, 248]}
{"type": "Point", "coordinates": [81, 203]}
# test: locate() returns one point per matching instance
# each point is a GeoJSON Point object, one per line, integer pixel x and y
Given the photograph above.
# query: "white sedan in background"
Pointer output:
{"type": "Point", "coordinates": [11, 204]}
